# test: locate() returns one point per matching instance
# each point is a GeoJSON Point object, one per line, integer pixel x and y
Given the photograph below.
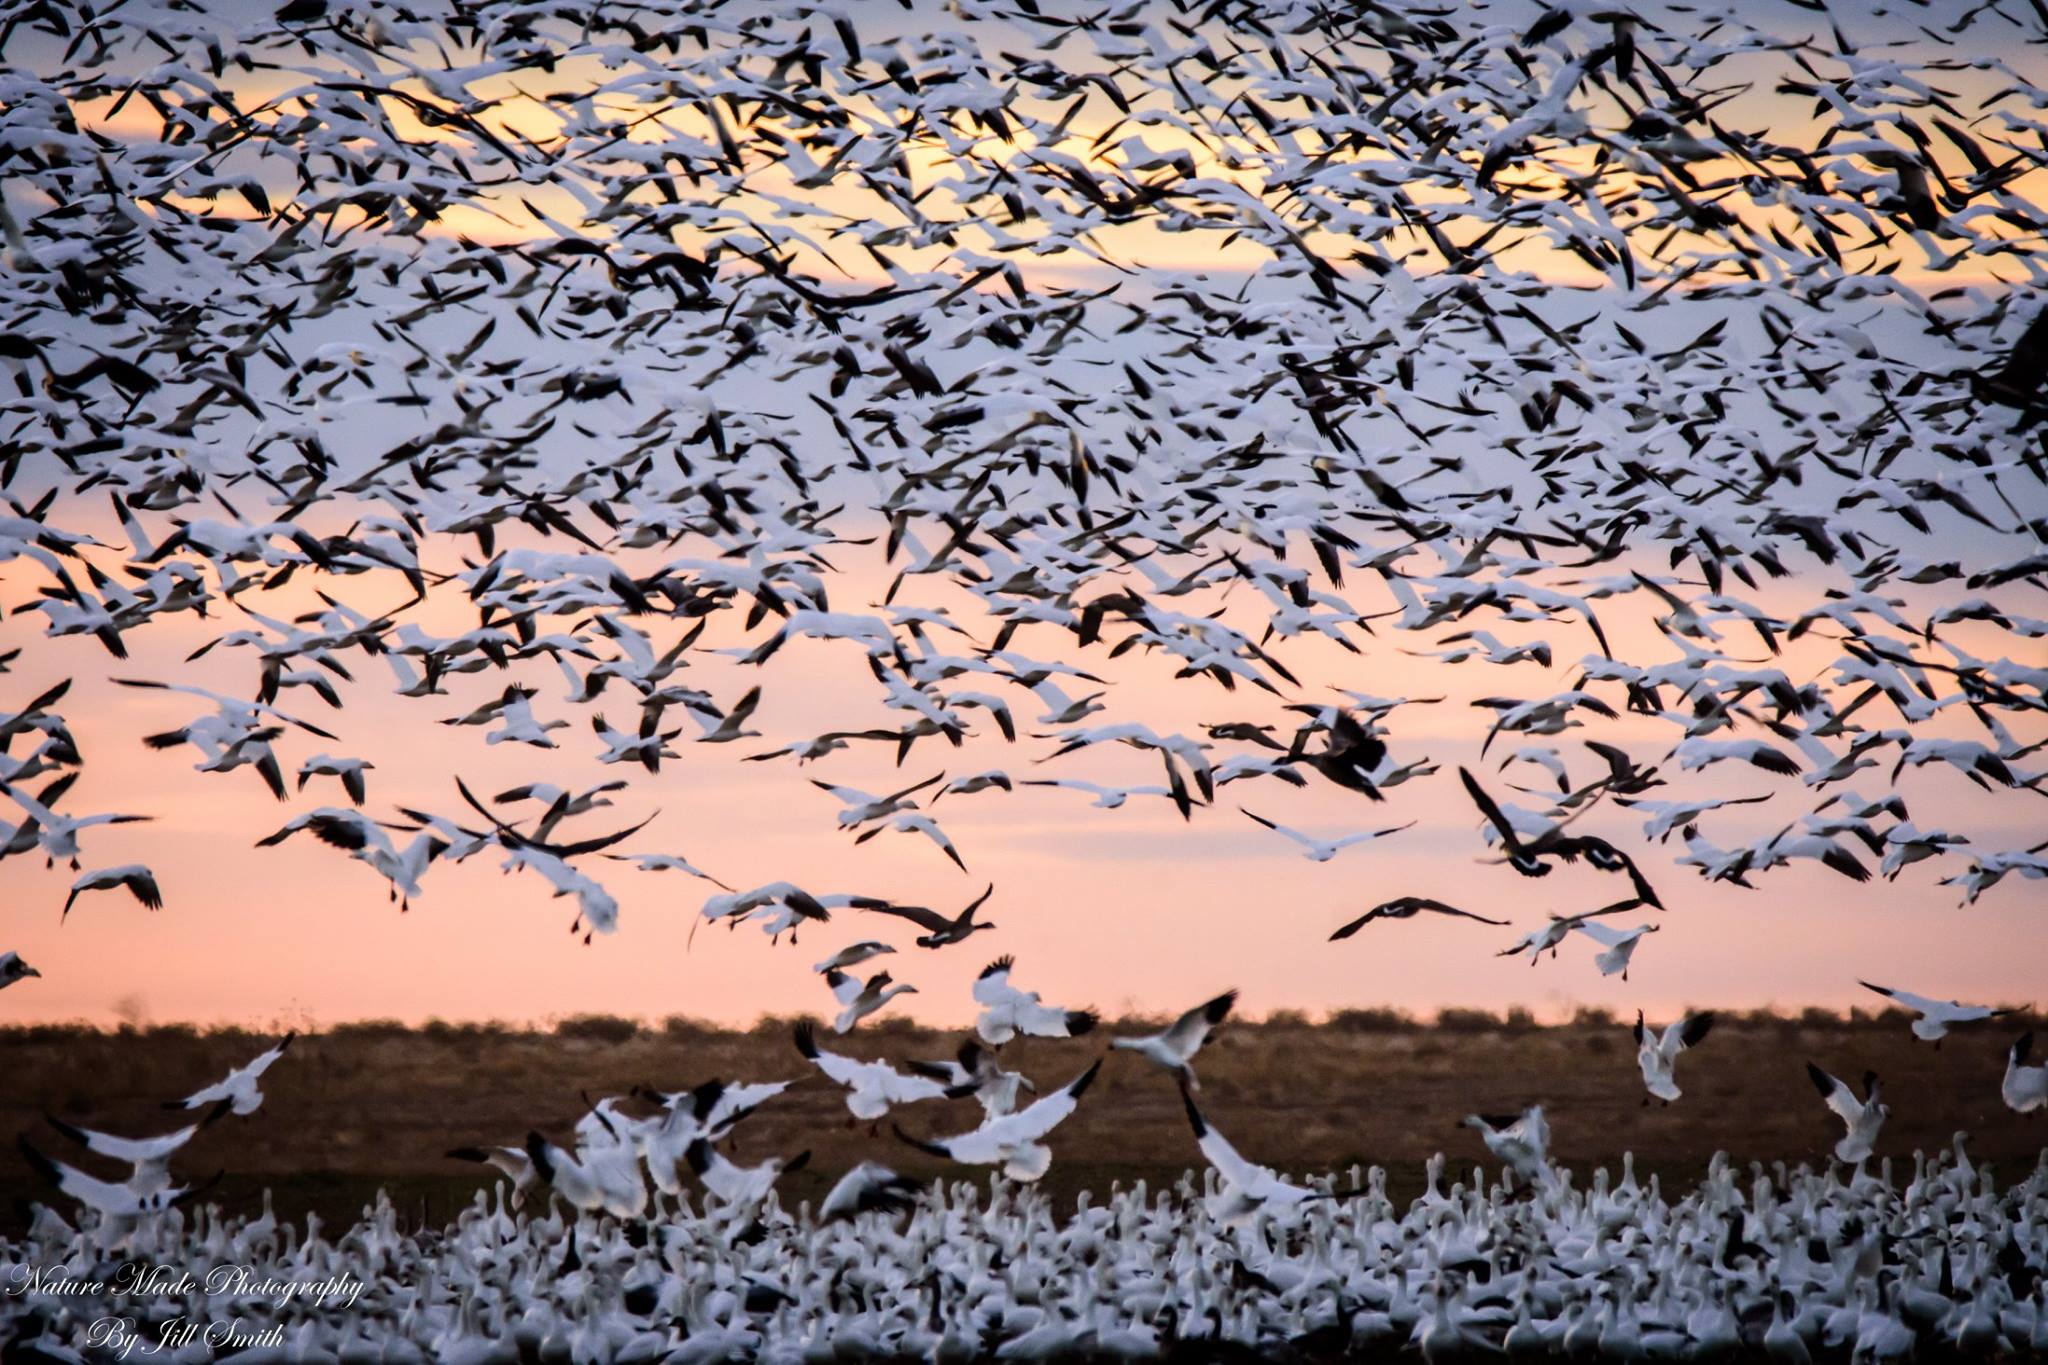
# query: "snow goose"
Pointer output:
{"type": "Point", "coordinates": [1657, 1054]}
{"type": "Point", "coordinates": [1520, 1141]}
{"type": "Point", "coordinates": [1007, 1011]}
{"type": "Point", "coordinates": [366, 841]}
{"type": "Point", "coordinates": [1863, 1118]}
{"type": "Point", "coordinates": [148, 1158]}
{"type": "Point", "coordinates": [2025, 1088]}
{"type": "Point", "coordinates": [860, 1001]}
{"type": "Point", "coordinates": [349, 770]}
{"type": "Point", "coordinates": [511, 1162]}
{"type": "Point", "coordinates": [1014, 1141]}
{"type": "Point", "coordinates": [872, 1088]}
{"type": "Point", "coordinates": [58, 834]}
{"type": "Point", "coordinates": [139, 880]}
{"type": "Point", "coordinates": [853, 955]}
{"type": "Point", "coordinates": [13, 969]}
{"type": "Point", "coordinates": [1174, 1048]}
{"type": "Point", "coordinates": [118, 1204]}
{"type": "Point", "coordinates": [977, 1068]}
{"type": "Point", "coordinates": [240, 1085]}
{"type": "Point", "coordinates": [1547, 939]}
{"type": "Point", "coordinates": [1407, 907]}
{"type": "Point", "coordinates": [940, 932]}
{"type": "Point", "coordinates": [869, 1187]}
{"type": "Point", "coordinates": [1936, 1017]}
{"type": "Point", "coordinates": [1619, 945]}
{"type": "Point", "coordinates": [1322, 850]}
{"type": "Point", "coordinates": [1247, 1186]}
{"type": "Point", "coordinates": [739, 1188]}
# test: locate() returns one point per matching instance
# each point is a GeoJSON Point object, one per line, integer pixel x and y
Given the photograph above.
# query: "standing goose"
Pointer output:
{"type": "Point", "coordinates": [1175, 1048]}
{"type": "Point", "coordinates": [1864, 1117]}
{"type": "Point", "coordinates": [1657, 1054]}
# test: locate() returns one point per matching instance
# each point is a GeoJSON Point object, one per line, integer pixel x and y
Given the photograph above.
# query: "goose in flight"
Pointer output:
{"type": "Point", "coordinates": [978, 1069]}
{"type": "Point", "coordinates": [1863, 1118]}
{"type": "Point", "coordinates": [1619, 945]}
{"type": "Point", "coordinates": [239, 1085]}
{"type": "Point", "coordinates": [859, 808]}
{"type": "Point", "coordinates": [602, 1174]}
{"type": "Point", "coordinates": [940, 932]}
{"type": "Point", "coordinates": [149, 1159]}
{"type": "Point", "coordinates": [1526, 854]}
{"type": "Point", "coordinates": [1175, 1048]}
{"type": "Point", "coordinates": [1014, 1142]}
{"type": "Point", "coordinates": [1407, 907]}
{"type": "Point", "coordinates": [869, 1187]}
{"type": "Point", "coordinates": [1521, 1142]}
{"type": "Point", "coordinates": [859, 1001]}
{"type": "Point", "coordinates": [872, 1088]}
{"type": "Point", "coordinates": [1007, 1011]}
{"type": "Point", "coordinates": [1322, 850]}
{"type": "Point", "coordinates": [1657, 1054]}
{"type": "Point", "coordinates": [511, 1162]}
{"type": "Point", "coordinates": [853, 955]}
{"type": "Point", "coordinates": [119, 1205]}
{"type": "Point", "coordinates": [139, 880]}
{"type": "Point", "coordinates": [367, 842]}
{"type": "Point", "coordinates": [1547, 939]}
{"type": "Point", "coordinates": [1934, 1018]}
{"type": "Point", "coordinates": [349, 770]}
{"type": "Point", "coordinates": [1247, 1186]}
{"type": "Point", "coordinates": [13, 969]}
{"type": "Point", "coordinates": [2025, 1088]}
{"type": "Point", "coordinates": [58, 834]}
{"type": "Point", "coordinates": [739, 1188]}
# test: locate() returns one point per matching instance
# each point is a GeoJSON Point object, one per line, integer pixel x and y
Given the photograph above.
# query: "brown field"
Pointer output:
{"type": "Point", "coordinates": [360, 1106]}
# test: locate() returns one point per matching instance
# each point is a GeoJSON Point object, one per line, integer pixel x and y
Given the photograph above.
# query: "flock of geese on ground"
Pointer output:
{"type": "Point", "coordinates": [1682, 372]}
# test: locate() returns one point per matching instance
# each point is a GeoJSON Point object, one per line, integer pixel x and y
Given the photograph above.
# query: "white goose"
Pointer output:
{"type": "Point", "coordinates": [1657, 1054]}
{"type": "Point", "coordinates": [2025, 1088]}
{"type": "Point", "coordinates": [1175, 1047]}
{"type": "Point", "coordinates": [240, 1086]}
{"type": "Point", "coordinates": [1247, 1186]}
{"type": "Point", "coordinates": [1013, 1141]}
{"type": "Point", "coordinates": [13, 969]}
{"type": "Point", "coordinates": [1863, 1118]}
{"type": "Point", "coordinates": [1936, 1017]}
{"type": "Point", "coordinates": [860, 1001]}
{"type": "Point", "coordinates": [1007, 1011]}
{"type": "Point", "coordinates": [872, 1088]}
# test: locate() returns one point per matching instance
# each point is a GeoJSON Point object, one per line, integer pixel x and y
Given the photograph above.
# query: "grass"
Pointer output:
{"type": "Point", "coordinates": [364, 1105]}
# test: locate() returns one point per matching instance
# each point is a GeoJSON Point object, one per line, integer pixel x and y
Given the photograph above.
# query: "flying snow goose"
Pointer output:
{"type": "Point", "coordinates": [872, 1088]}
{"type": "Point", "coordinates": [239, 1085]}
{"type": "Point", "coordinates": [598, 1176]}
{"type": "Point", "coordinates": [511, 1162]}
{"type": "Point", "coordinates": [367, 842]}
{"type": "Point", "coordinates": [859, 1000]}
{"type": "Point", "coordinates": [853, 955]}
{"type": "Point", "coordinates": [1936, 1017]}
{"type": "Point", "coordinates": [1247, 1186]}
{"type": "Point", "coordinates": [116, 1202]}
{"type": "Point", "coordinates": [1520, 1141]}
{"type": "Point", "coordinates": [13, 969]}
{"type": "Point", "coordinates": [1013, 1141]}
{"type": "Point", "coordinates": [1657, 1054]}
{"type": "Point", "coordinates": [139, 880]}
{"type": "Point", "coordinates": [1175, 1048]}
{"type": "Point", "coordinates": [1547, 939]}
{"type": "Point", "coordinates": [1619, 945]}
{"type": "Point", "coordinates": [58, 834]}
{"type": "Point", "coordinates": [1407, 907]}
{"type": "Point", "coordinates": [977, 1068]}
{"type": "Point", "coordinates": [940, 931]}
{"type": "Point", "coordinates": [1863, 1117]}
{"type": "Point", "coordinates": [869, 1187]}
{"type": "Point", "coordinates": [739, 1188]}
{"type": "Point", "coordinates": [1007, 1011]}
{"type": "Point", "coordinates": [1322, 850]}
{"type": "Point", "coordinates": [2025, 1088]}
{"type": "Point", "coordinates": [148, 1158]}
{"type": "Point", "coordinates": [349, 770]}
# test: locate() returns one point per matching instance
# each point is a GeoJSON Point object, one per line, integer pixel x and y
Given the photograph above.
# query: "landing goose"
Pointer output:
{"type": "Point", "coordinates": [739, 1188]}
{"type": "Point", "coordinates": [1619, 945]}
{"type": "Point", "coordinates": [858, 1000]}
{"type": "Point", "coordinates": [1519, 1141]}
{"type": "Point", "coordinates": [1936, 1017]}
{"type": "Point", "coordinates": [13, 969]}
{"type": "Point", "coordinates": [1863, 1118]}
{"type": "Point", "coordinates": [980, 1070]}
{"type": "Point", "coordinates": [869, 1187]}
{"type": "Point", "coordinates": [2025, 1088]}
{"type": "Point", "coordinates": [1657, 1054]}
{"type": "Point", "coordinates": [511, 1162]}
{"type": "Point", "coordinates": [1247, 1186]}
{"type": "Point", "coordinates": [1007, 1011]}
{"type": "Point", "coordinates": [872, 1088]}
{"type": "Point", "coordinates": [1014, 1141]}
{"type": "Point", "coordinates": [148, 1158]}
{"type": "Point", "coordinates": [1175, 1047]}
{"type": "Point", "coordinates": [241, 1085]}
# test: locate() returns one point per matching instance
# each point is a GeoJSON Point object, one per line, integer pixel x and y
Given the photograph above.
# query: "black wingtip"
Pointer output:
{"type": "Point", "coordinates": [1001, 964]}
{"type": "Point", "coordinates": [476, 1154]}
{"type": "Point", "coordinates": [1187, 1100]}
{"type": "Point", "coordinates": [698, 1154]}
{"type": "Point", "coordinates": [537, 1149]}
{"type": "Point", "coordinates": [931, 1147]}
{"type": "Point", "coordinates": [1081, 1021]}
{"type": "Point", "coordinates": [2023, 1047]}
{"type": "Point", "coordinates": [797, 1162]}
{"type": "Point", "coordinates": [39, 1163]}
{"type": "Point", "coordinates": [1821, 1080]}
{"type": "Point", "coordinates": [1084, 1080]}
{"type": "Point", "coordinates": [1217, 1010]}
{"type": "Point", "coordinates": [807, 1040]}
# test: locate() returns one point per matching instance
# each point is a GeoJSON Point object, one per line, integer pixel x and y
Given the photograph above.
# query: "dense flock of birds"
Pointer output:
{"type": "Point", "coordinates": [1684, 366]}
